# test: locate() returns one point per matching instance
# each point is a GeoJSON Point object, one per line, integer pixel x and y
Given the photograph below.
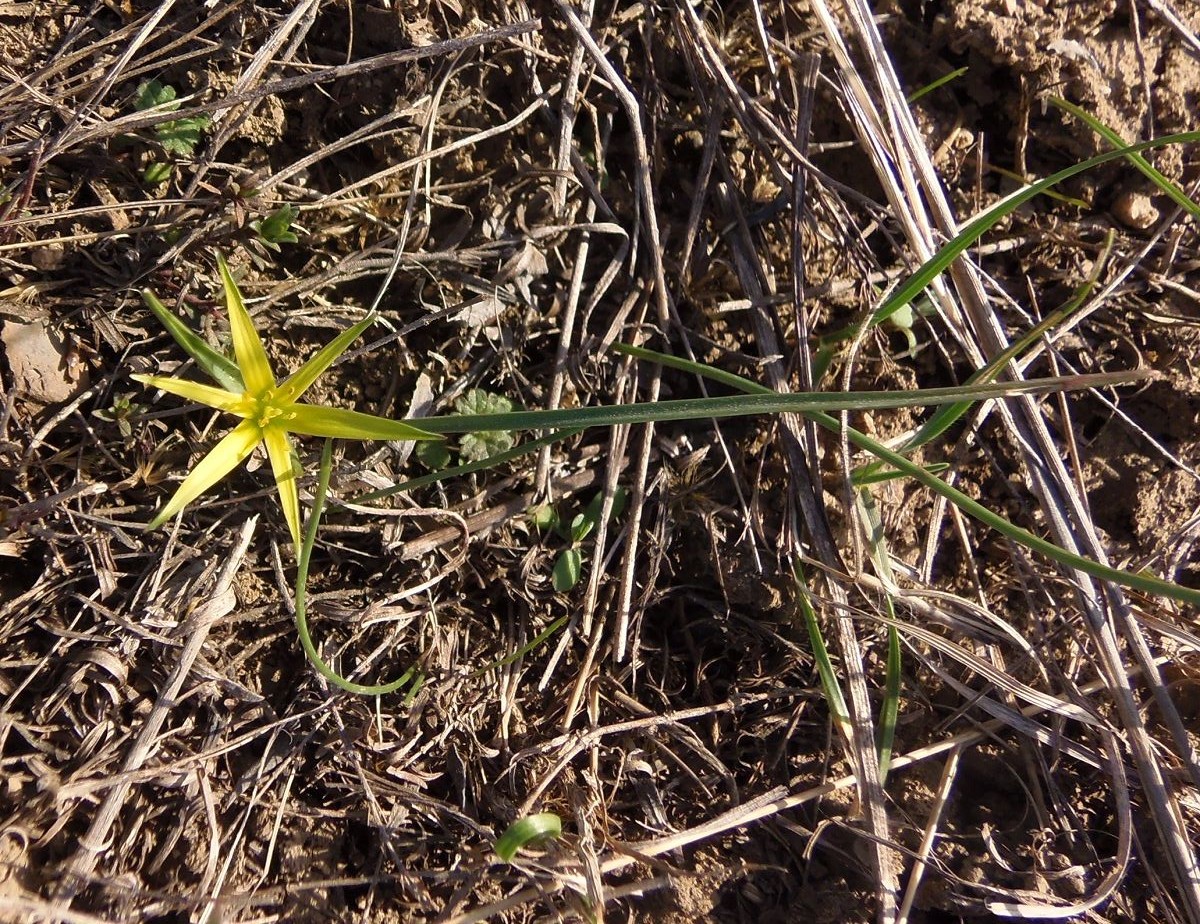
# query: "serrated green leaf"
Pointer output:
{"type": "Point", "coordinates": [476, 446]}
{"type": "Point", "coordinates": [478, 401]}
{"type": "Point", "coordinates": [154, 93]}
{"type": "Point", "coordinates": [180, 136]}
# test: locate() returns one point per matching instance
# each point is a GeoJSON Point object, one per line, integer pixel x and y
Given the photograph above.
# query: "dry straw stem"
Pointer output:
{"type": "Point", "coordinates": [219, 602]}
{"type": "Point", "coordinates": [777, 802]}
{"type": "Point", "coordinates": [861, 741]}
{"type": "Point", "coordinates": [689, 699]}
{"type": "Point", "coordinates": [885, 125]}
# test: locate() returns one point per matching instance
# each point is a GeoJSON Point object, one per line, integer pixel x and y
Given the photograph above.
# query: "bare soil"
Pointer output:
{"type": "Point", "coordinates": [166, 751]}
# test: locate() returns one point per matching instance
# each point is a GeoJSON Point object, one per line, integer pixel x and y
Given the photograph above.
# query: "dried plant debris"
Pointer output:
{"type": "Point", "coordinates": [512, 188]}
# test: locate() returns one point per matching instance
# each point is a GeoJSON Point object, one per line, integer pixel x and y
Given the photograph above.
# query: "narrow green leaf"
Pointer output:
{"type": "Point", "coordinates": [219, 368]}
{"type": "Point", "coordinates": [890, 709]}
{"type": "Point", "coordinates": [946, 415]}
{"type": "Point", "coordinates": [581, 527]}
{"type": "Point", "coordinates": [1138, 581]}
{"type": "Point", "coordinates": [1177, 195]}
{"type": "Point", "coordinates": [340, 423]}
{"type": "Point", "coordinates": [296, 384]}
{"type": "Point", "coordinates": [529, 646]}
{"type": "Point", "coordinates": [248, 347]}
{"type": "Point", "coordinates": [445, 474]}
{"type": "Point", "coordinates": [527, 831]}
{"type": "Point", "coordinates": [941, 81]}
{"type": "Point", "coordinates": [936, 264]}
{"type": "Point", "coordinates": [829, 681]}
{"type": "Point", "coordinates": [301, 600]}
{"type": "Point", "coordinates": [765, 402]}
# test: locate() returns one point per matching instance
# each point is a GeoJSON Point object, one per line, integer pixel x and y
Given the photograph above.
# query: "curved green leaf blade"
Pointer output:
{"type": "Point", "coordinates": [534, 828]}
{"type": "Point", "coordinates": [221, 369]}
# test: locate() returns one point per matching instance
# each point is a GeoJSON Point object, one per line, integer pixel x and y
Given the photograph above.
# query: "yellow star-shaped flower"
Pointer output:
{"type": "Point", "coordinates": [269, 411]}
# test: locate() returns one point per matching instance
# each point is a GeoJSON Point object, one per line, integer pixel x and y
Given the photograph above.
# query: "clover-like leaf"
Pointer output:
{"type": "Point", "coordinates": [475, 447]}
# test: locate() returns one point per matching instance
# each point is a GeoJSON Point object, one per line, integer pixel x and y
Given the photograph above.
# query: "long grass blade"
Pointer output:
{"type": "Point", "coordinates": [1170, 189]}
{"type": "Point", "coordinates": [946, 415]}
{"type": "Point", "coordinates": [301, 600]}
{"type": "Point", "coordinates": [936, 264]}
{"type": "Point", "coordinates": [1142, 581]}
{"type": "Point", "coordinates": [765, 402]}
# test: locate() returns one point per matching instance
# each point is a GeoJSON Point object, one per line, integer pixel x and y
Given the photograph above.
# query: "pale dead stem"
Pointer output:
{"type": "Point", "coordinates": [903, 165]}
{"type": "Point", "coordinates": [659, 297]}
{"type": "Point", "coordinates": [860, 742]}
{"type": "Point", "coordinates": [776, 802]}
{"type": "Point", "coordinates": [220, 601]}
{"type": "Point", "coordinates": [313, 77]}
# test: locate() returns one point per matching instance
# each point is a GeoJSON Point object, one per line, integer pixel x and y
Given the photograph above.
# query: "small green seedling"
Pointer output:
{"type": "Point", "coordinates": [526, 832]}
{"type": "Point", "coordinates": [121, 412]}
{"type": "Point", "coordinates": [276, 228]}
{"type": "Point", "coordinates": [474, 446]}
{"type": "Point", "coordinates": [178, 137]}
{"type": "Point", "coordinates": [156, 173]}
{"type": "Point", "coordinates": [568, 568]}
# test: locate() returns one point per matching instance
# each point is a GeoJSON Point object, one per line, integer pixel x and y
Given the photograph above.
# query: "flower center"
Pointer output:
{"type": "Point", "coordinates": [263, 410]}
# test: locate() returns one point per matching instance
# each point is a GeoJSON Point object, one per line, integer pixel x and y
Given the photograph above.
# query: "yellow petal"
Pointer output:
{"type": "Point", "coordinates": [223, 458]}
{"type": "Point", "coordinates": [299, 381]}
{"type": "Point", "coordinates": [219, 398]}
{"type": "Point", "coordinates": [247, 346]}
{"type": "Point", "coordinates": [312, 420]}
{"type": "Point", "coordinates": [283, 463]}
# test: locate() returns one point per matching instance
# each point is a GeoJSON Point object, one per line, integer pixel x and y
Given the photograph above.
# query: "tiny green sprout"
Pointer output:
{"type": "Point", "coordinates": [157, 173]}
{"type": "Point", "coordinates": [543, 517]}
{"type": "Point", "coordinates": [568, 569]}
{"type": "Point", "coordinates": [276, 228]}
{"type": "Point", "coordinates": [902, 320]}
{"type": "Point", "coordinates": [153, 94]}
{"type": "Point", "coordinates": [474, 447]}
{"type": "Point", "coordinates": [122, 410]}
{"type": "Point", "coordinates": [269, 411]}
{"type": "Point", "coordinates": [177, 136]}
{"type": "Point", "coordinates": [532, 829]}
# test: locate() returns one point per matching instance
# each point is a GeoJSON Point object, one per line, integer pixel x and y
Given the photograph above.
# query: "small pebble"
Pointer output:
{"type": "Point", "coordinates": [1136, 210]}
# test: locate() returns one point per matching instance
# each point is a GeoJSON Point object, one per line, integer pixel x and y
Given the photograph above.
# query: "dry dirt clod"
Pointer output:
{"type": "Point", "coordinates": [39, 360]}
{"type": "Point", "coordinates": [1135, 209]}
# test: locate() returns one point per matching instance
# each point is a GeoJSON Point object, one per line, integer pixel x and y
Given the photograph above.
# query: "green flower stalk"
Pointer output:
{"type": "Point", "coordinates": [270, 412]}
